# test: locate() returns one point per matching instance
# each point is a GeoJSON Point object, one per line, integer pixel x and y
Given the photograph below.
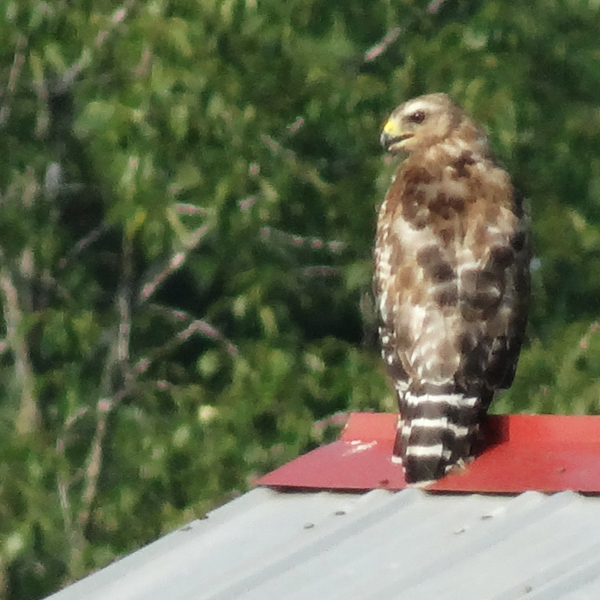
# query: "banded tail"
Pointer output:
{"type": "Point", "coordinates": [436, 431]}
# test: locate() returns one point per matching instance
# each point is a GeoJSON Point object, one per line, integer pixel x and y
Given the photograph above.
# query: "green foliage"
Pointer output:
{"type": "Point", "coordinates": [187, 207]}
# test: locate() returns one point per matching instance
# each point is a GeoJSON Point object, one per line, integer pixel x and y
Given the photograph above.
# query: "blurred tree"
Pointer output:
{"type": "Point", "coordinates": [187, 206]}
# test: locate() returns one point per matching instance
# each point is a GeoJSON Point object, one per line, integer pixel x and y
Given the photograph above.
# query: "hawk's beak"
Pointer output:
{"type": "Point", "coordinates": [392, 136]}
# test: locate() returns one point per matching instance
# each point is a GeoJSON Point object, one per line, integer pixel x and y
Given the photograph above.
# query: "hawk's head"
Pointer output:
{"type": "Point", "coordinates": [420, 123]}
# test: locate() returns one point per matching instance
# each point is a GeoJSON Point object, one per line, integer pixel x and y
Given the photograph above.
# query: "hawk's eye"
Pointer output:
{"type": "Point", "coordinates": [417, 117]}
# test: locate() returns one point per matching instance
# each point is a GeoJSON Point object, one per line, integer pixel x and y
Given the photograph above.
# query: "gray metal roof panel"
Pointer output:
{"type": "Point", "coordinates": [410, 544]}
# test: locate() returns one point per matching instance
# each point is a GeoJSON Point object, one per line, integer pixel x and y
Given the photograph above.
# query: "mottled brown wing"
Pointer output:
{"type": "Point", "coordinates": [502, 286]}
{"type": "Point", "coordinates": [504, 354]}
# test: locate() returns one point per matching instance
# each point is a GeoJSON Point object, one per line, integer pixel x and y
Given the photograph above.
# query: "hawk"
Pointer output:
{"type": "Point", "coordinates": [451, 282]}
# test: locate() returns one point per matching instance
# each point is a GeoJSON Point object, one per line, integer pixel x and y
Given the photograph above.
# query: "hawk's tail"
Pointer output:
{"type": "Point", "coordinates": [436, 431]}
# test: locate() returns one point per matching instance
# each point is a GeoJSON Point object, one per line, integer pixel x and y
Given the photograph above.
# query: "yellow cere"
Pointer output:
{"type": "Point", "coordinates": [390, 127]}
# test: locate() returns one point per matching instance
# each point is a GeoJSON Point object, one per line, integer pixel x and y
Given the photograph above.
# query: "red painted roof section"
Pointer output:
{"type": "Point", "coordinates": [548, 453]}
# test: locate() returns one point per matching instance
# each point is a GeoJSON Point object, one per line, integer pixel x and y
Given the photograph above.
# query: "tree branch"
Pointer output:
{"type": "Point", "coordinates": [174, 263]}
{"type": "Point", "coordinates": [116, 373]}
{"type": "Point", "coordinates": [28, 418]}
{"type": "Point", "coordinates": [85, 59]}
{"type": "Point", "coordinates": [13, 77]}
{"type": "Point", "coordinates": [378, 49]}
{"type": "Point", "coordinates": [193, 326]}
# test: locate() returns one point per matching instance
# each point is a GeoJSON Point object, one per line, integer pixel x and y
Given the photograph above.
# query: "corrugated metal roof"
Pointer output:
{"type": "Point", "coordinates": [377, 545]}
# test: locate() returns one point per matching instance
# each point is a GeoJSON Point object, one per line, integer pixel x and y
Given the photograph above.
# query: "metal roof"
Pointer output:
{"type": "Point", "coordinates": [518, 453]}
{"type": "Point", "coordinates": [410, 544]}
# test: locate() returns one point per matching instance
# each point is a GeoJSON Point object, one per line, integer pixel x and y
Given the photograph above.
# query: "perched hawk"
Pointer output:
{"type": "Point", "coordinates": [451, 281]}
